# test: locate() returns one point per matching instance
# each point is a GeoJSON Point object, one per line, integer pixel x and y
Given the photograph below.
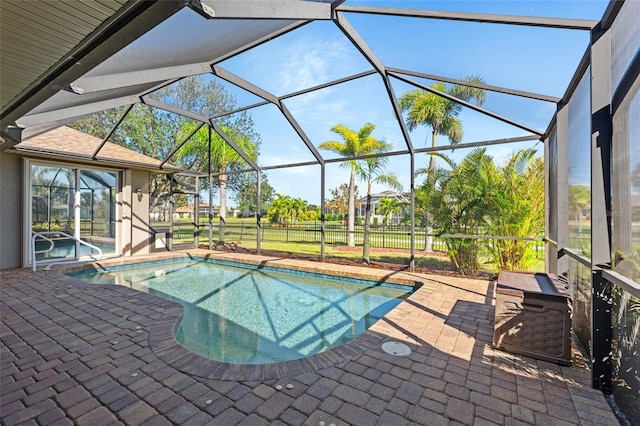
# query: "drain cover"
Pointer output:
{"type": "Point", "coordinates": [396, 348]}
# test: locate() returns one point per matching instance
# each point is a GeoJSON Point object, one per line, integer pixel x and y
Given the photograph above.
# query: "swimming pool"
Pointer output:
{"type": "Point", "coordinates": [244, 314]}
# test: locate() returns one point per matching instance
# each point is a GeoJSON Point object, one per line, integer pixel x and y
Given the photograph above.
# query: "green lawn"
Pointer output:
{"type": "Point", "coordinates": [304, 240]}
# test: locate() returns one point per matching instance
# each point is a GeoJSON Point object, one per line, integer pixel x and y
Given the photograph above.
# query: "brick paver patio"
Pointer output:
{"type": "Point", "coordinates": [74, 353]}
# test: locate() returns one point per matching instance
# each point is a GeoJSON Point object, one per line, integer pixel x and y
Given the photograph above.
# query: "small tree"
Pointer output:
{"type": "Point", "coordinates": [388, 207]}
{"type": "Point", "coordinates": [339, 203]}
{"type": "Point", "coordinates": [246, 196]}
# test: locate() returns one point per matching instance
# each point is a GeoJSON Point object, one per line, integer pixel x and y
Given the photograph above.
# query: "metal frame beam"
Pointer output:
{"type": "Point", "coordinates": [258, 91]}
{"type": "Point", "coordinates": [111, 132]}
{"type": "Point", "coordinates": [180, 111]}
{"type": "Point", "coordinates": [601, 137]}
{"type": "Point", "coordinates": [263, 9]}
{"type": "Point", "coordinates": [180, 145]}
{"type": "Point", "coordinates": [498, 89]}
{"type": "Point", "coordinates": [532, 21]}
{"type": "Point", "coordinates": [469, 105]}
{"type": "Point", "coordinates": [357, 40]}
{"type": "Point", "coordinates": [233, 145]}
{"type": "Point", "coordinates": [478, 144]}
{"type": "Point", "coordinates": [166, 75]}
{"type": "Point", "coordinates": [74, 112]}
{"type": "Point", "coordinates": [298, 93]}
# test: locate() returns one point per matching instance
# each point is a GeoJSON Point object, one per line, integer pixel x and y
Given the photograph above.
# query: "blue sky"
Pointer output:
{"type": "Point", "coordinates": [523, 58]}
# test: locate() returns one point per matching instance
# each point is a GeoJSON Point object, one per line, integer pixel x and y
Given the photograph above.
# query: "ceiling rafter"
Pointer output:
{"type": "Point", "coordinates": [263, 9]}
{"type": "Point", "coordinates": [532, 21]}
{"type": "Point", "coordinates": [73, 112]}
{"type": "Point", "coordinates": [124, 26]}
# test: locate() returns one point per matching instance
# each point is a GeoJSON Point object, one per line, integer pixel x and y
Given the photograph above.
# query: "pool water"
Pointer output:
{"type": "Point", "coordinates": [259, 315]}
{"type": "Point", "coordinates": [67, 248]}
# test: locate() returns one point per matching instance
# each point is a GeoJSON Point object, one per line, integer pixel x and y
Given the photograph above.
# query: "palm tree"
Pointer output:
{"type": "Point", "coordinates": [298, 208]}
{"type": "Point", "coordinates": [388, 207]}
{"type": "Point", "coordinates": [371, 170]}
{"type": "Point", "coordinates": [353, 144]}
{"type": "Point", "coordinates": [280, 210]}
{"type": "Point", "coordinates": [441, 115]}
{"type": "Point", "coordinates": [195, 152]}
{"type": "Point", "coordinates": [458, 203]}
{"type": "Point", "coordinates": [517, 210]}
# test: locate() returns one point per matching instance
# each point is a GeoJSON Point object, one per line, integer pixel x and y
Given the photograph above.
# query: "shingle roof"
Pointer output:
{"type": "Point", "coordinates": [65, 142]}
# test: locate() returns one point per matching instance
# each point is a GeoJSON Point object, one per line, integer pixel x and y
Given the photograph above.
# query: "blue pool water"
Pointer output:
{"type": "Point", "coordinates": [67, 248]}
{"type": "Point", "coordinates": [259, 315]}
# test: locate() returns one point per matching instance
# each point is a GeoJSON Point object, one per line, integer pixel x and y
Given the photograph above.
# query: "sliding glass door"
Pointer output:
{"type": "Point", "coordinates": [77, 202]}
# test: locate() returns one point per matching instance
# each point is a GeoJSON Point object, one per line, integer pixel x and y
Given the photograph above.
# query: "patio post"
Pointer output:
{"type": "Point", "coordinates": [258, 226]}
{"type": "Point", "coordinates": [412, 259]}
{"type": "Point", "coordinates": [601, 133]}
{"type": "Point", "coordinates": [322, 188]}
{"type": "Point", "coordinates": [210, 209]}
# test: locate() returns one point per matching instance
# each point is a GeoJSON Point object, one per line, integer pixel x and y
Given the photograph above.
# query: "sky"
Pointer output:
{"type": "Point", "coordinates": [538, 60]}
{"type": "Point", "coordinates": [530, 59]}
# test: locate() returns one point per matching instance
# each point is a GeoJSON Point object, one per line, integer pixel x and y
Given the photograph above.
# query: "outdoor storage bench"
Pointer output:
{"type": "Point", "coordinates": [533, 316]}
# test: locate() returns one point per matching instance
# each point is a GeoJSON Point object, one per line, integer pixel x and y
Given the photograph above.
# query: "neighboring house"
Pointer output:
{"type": "Point", "coordinates": [403, 200]}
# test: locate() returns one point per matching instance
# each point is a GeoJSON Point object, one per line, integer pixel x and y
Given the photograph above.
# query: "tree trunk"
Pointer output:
{"type": "Point", "coordinates": [428, 229]}
{"type": "Point", "coordinates": [223, 205]}
{"type": "Point", "coordinates": [366, 243]}
{"type": "Point", "coordinates": [351, 214]}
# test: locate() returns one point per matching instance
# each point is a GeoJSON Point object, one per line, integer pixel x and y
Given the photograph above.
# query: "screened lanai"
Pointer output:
{"type": "Point", "coordinates": [244, 94]}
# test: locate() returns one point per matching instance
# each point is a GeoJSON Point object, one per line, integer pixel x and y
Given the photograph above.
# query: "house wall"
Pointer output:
{"type": "Point", "coordinates": [136, 235]}
{"type": "Point", "coordinates": [10, 211]}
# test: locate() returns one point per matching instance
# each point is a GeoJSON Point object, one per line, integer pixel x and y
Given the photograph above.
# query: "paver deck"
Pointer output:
{"type": "Point", "coordinates": [74, 353]}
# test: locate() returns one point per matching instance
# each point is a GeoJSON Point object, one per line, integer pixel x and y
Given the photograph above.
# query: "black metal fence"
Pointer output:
{"type": "Point", "coordinates": [335, 233]}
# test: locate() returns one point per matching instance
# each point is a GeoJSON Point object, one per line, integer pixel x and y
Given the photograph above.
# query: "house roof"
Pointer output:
{"type": "Point", "coordinates": [401, 197]}
{"type": "Point", "coordinates": [70, 144]}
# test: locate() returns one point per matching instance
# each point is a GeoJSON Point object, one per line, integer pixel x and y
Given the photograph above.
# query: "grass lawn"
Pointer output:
{"type": "Point", "coordinates": [300, 242]}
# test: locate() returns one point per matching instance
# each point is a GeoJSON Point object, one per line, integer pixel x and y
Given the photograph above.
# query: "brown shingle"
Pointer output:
{"type": "Point", "coordinates": [67, 142]}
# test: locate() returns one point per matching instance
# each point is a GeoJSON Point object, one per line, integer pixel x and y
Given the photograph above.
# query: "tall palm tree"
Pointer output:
{"type": "Point", "coordinates": [353, 144]}
{"type": "Point", "coordinates": [194, 155]}
{"type": "Point", "coordinates": [440, 114]}
{"type": "Point", "coordinates": [370, 171]}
